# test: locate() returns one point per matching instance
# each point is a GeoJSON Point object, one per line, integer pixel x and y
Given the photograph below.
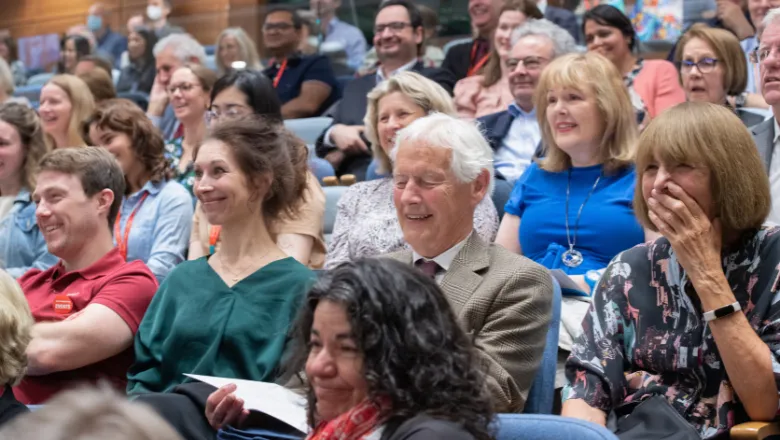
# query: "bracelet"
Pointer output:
{"type": "Point", "coordinates": [721, 312]}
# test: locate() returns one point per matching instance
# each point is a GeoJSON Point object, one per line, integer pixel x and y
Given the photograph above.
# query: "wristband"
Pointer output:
{"type": "Point", "coordinates": [721, 312]}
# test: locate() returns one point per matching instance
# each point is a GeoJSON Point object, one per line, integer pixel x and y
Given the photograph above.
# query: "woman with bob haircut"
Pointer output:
{"type": "Point", "coordinates": [367, 222]}
{"type": "Point", "coordinates": [16, 323]}
{"type": "Point", "coordinates": [66, 103]}
{"type": "Point", "coordinates": [713, 69]}
{"type": "Point", "coordinates": [575, 202]}
{"type": "Point", "coordinates": [702, 301]}
{"type": "Point", "coordinates": [154, 220]}
{"type": "Point", "coordinates": [370, 373]}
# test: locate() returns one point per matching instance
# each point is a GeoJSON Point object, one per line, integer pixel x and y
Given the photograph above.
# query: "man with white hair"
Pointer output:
{"type": "Point", "coordinates": [442, 170]}
{"type": "Point", "coordinates": [514, 133]}
{"type": "Point", "coordinates": [170, 53]}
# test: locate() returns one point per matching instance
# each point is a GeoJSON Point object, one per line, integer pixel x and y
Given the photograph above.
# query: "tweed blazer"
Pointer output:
{"type": "Point", "coordinates": [504, 302]}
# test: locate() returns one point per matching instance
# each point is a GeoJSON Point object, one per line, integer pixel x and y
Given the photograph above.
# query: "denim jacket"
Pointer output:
{"type": "Point", "coordinates": [22, 246]}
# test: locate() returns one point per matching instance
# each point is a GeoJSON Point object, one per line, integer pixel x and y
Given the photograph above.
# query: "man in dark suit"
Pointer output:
{"type": "Point", "coordinates": [766, 134]}
{"type": "Point", "coordinates": [562, 17]}
{"type": "Point", "coordinates": [397, 37]}
{"type": "Point", "coordinates": [466, 59]}
{"type": "Point", "coordinates": [514, 134]}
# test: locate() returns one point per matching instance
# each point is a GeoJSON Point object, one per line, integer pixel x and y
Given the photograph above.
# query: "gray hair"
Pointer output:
{"type": "Point", "coordinates": [772, 16]}
{"type": "Point", "coordinates": [470, 151]}
{"type": "Point", "coordinates": [563, 42]}
{"type": "Point", "coordinates": [184, 47]}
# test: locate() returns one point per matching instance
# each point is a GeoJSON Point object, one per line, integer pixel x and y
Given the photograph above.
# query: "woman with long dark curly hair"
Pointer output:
{"type": "Point", "coordinates": [154, 221]}
{"type": "Point", "coordinates": [384, 357]}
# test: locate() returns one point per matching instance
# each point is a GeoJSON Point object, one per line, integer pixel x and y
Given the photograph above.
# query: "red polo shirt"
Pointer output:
{"type": "Point", "coordinates": [54, 295]}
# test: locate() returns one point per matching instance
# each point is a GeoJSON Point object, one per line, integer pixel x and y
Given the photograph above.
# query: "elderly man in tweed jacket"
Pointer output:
{"type": "Point", "coordinates": [442, 170]}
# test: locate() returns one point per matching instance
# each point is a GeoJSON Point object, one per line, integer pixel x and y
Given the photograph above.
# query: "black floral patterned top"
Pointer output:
{"type": "Point", "coordinates": [173, 152]}
{"type": "Point", "coordinates": [645, 333]}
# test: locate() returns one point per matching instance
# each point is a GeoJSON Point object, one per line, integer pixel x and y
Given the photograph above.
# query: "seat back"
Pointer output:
{"type": "Point", "coordinates": [542, 394]}
{"type": "Point", "coordinates": [39, 79]}
{"type": "Point", "coordinates": [332, 196]}
{"type": "Point", "coordinates": [547, 427]}
{"type": "Point", "coordinates": [372, 173]}
{"type": "Point", "coordinates": [139, 98]}
{"type": "Point", "coordinates": [308, 129]}
{"type": "Point", "coordinates": [31, 92]}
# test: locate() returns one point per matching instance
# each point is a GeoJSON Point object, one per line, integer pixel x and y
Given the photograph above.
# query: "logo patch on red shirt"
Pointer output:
{"type": "Point", "coordinates": [62, 304]}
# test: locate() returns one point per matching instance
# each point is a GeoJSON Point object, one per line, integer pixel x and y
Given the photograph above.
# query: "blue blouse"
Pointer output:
{"type": "Point", "coordinates": [160, 233]}
{"type": "Point", "coordinates": [22, 246]}
{"type": "Point", "coordinates": [607, 225]}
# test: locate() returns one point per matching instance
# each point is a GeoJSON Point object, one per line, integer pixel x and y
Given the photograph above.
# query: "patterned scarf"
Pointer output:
{"type": "Point", "coordinates": [354, 424]}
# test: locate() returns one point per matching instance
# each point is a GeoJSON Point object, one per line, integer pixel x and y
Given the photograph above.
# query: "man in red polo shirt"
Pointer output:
{"type": "Point", "coordinates": [87, 307]}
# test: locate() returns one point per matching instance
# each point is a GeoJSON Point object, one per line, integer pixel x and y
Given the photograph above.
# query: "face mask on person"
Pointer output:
{"type": "Point", "coordinates": [154, 12]}
{"type": "Point", "coordinates": [94, 23]}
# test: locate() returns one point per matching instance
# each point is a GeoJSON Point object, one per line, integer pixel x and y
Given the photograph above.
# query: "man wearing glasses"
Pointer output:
{"type": "Point", "coordinates": [305, 84]}
{"type": "Point", "coordinates": [767, 134]}
{"type": "Point", "coordinates": [514, 133]}
{"type": "Point", "coordinates": [398, 38]}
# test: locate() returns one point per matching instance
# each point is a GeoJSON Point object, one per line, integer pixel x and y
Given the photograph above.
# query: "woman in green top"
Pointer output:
{"type": "Point", "coordinates": [227, 315]}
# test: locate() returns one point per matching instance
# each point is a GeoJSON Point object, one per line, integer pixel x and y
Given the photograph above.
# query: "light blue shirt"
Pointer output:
{"type": "Point", "coordinates": [22, 246]}
{"type": "Point", "coordinates": [749, 45]}
{"type": "Point", "coordinates": [353, 40]}
{"type": "Point", "coordinates": [519, 145]}
{"type": "Point", "coordinates": [697, 11]}
{"type": "Point", "coordinates": [160, 233]}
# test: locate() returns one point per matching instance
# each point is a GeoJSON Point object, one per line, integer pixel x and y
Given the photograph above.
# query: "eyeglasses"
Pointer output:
{"type": "Point", "coordinates": [230, 112]}
{"type": "Point", "coordinates": [396, 26]}
{"type": "Point", "coordinates": [530, 63]}
{"type": "Point", "coordinates": [277, 26]}
{"type": "Point", "coordinates": [760, 54]}
{"type": "Point", "coordinates": [184, 87]}
{"type": "Point", "coordinates": [705, 65]}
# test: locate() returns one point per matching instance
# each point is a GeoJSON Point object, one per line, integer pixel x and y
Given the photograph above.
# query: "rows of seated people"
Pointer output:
{"type": "Point", "coordinates": [596, 220]}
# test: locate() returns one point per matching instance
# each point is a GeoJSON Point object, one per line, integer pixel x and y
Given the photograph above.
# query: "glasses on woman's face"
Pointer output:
{"type": "Point", "coordinates": [215, 114]}
{"type": "Point", "coordinates": [705, 65]}
{"type": "Point", "coordinates": [184, 87]}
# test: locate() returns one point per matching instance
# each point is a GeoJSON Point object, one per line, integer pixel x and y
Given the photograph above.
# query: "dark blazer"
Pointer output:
{"type": "Point", "coordinates": [352, 109]}
{"type": "Point", "coordinates": [9, 406]}
{"type": "Point", "coordinates": [496, 126]}
{"type": "Point", "coordinates": [565, 19]}
{"type": "Point", "coordinates": [457, 60]}
{"type": "Point", "coordinates": [764, 136]}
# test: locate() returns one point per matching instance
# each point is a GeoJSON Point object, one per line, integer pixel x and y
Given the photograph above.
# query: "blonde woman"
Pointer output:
{"type": "Point", "coordinates": [66, 103]}
{"type": "Point", "coordinates": [233, 44]}
{"type": "Point", "coordinates": [15, 326]}
{"type": "Point", "coordinates": [366, 222]}
{"type": "Point", "coordinates": [489, 92]}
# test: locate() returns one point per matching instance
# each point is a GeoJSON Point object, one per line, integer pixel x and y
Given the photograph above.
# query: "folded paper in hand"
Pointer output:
{"type": "Point", "coordinates": [268, 398]}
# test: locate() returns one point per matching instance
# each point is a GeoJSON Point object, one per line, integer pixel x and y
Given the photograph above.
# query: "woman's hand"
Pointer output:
{"type": "Point", "coordinates": [697, 241]}
{"type": "Point", "coordinates": [224, 408]}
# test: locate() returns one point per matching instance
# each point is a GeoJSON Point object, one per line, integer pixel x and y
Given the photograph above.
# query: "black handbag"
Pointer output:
{"type": "Point", "coordinates": [652, 419]}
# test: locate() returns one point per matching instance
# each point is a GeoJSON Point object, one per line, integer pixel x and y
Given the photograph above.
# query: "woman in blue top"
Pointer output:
{"type": "Point", "coordinates": [154, 220]}
{"type": "Point", "coordinates": [22, 246]}
{"type": "Point", "coordinates": [576, 202]}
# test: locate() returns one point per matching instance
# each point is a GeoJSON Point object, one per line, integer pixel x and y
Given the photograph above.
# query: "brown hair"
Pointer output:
{"type": "Point", "coordinates": [264, 147]}
{"type": "Point", "coordinates": [99, 62]}
{"type": "Point", "coordinates": [82, 104]}
{"type": "Point", "coordinates": [123, 116]}
{"type": "Point", "coordinates": [727, 50]}
{"type": "Point", "coordinates": [593, 74]}
{"type": "Point", "coordinates": [492, 69]}
{"type": "Point", "coordinates": [712, 136]}
{"type": "Point", "coordinates": [206, 77]}
{"type": "Point", "coordinates": [100, 85]}
{"type": "Point", "coordinates": [95, 167]}
{"type": "Point", "coordinates": [28, 125]}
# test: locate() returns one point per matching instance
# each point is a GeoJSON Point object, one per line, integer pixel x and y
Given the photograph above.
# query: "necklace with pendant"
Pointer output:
{"type": "Point", "coordinates": [573, 257]}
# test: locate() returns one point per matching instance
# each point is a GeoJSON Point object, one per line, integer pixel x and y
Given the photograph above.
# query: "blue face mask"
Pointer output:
{"type": "Point", "coordinates": [94, 23]}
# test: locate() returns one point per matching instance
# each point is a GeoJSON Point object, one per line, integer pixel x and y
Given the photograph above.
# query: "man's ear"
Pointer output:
{"type": "Point", "coordinates": [419, 35]}
{"type": "Point", "coordinates": [480, 186]}
{"type": "Point", "coordinates": [105, 199]}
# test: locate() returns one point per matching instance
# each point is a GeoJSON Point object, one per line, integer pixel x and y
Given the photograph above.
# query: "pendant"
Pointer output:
{"type": "Point", "coordinates": [572, 258]}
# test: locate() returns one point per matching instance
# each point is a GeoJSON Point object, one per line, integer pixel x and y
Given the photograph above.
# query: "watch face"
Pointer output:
{"type": "Point", "coordinates": [724, 311]}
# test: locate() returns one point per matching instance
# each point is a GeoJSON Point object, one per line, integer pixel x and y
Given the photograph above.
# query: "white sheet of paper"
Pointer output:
{"type": "Point", "coordinates": [269, 398]}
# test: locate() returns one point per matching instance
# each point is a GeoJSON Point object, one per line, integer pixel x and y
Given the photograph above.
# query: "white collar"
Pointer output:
{"type": "Point", "coordinates": [445, 259]}
{"type": "Point", "coordinates": [380, 76]}
{"type": "Point", "coordinates": [542, 5]}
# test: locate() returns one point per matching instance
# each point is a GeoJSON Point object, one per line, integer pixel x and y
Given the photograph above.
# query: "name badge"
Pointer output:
{"type": "Point", "coordinates": [62, 305]}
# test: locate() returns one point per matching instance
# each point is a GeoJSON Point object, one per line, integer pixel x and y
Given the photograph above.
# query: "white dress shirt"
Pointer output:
{"type": "Point", "coordinates": [774, 178]}
{"type": "Point", "coordinates": [444, 260]}
{"type": "Point", "coordinates": [519, 145]}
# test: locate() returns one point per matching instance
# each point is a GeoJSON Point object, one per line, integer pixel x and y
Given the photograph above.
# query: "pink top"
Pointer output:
{"type": "Point", "coordinates": [473, 100]}
{"type": "Point", "coordinates": [658, 84]}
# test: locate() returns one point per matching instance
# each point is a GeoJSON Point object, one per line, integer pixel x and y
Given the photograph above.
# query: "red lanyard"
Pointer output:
{"type": "Point", "coordinates": [121, 241]}
{"type": "Point", "coordinates": [213, 238]}
{"type": "Point", "coordinates": [475, 67]}
{"type": "Point", "coordinates": [280, 73]}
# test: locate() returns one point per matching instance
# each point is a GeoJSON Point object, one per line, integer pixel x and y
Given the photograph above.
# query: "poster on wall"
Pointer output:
{"type": "Point", "coordinates": [653, 19]}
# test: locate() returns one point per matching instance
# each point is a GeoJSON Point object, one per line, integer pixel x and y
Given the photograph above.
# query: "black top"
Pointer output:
{"type": "Point", "coordinates": [298, 70]}
{"type": "Point", "coordinates": [426, 428]}
{"type": "Point", "coordinates": [9, 406]}
{"type": "Point", "coordinates": [136, 78]}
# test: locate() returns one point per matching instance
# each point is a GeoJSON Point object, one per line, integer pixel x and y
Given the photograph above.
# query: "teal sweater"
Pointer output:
{"type": "Point", "coordinates": [196, 324]}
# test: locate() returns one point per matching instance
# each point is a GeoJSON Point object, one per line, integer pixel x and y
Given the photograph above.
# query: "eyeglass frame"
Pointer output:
{"type": "Point", "coordinates": [755, 58]}
{"type": "Point", "coordinates": [280, 26]}
{"type": "Point", "coordinates": [229, 112]}
{"type": "Point", "coordinates": [394, 26]}
{"type": "Point", "coordinates": [688, 65]}
{"type": "Point", "coordinates": [189, 86]}
{"type": "Point", "coordinates": [524, 61]}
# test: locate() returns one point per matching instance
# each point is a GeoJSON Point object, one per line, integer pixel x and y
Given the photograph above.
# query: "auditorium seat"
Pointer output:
{"type": "Point", "coordinates": [210, 49]}
{"type": "Point", "coordinates": [542, 394]}
{"type": "Point", "coordinates": [547, 427]}
{"type": "Point", "coordinates": [139, 98]}
{"type": "Point", "coordinates": [308, 129]}
{"type": "Point", "coordinates": [31, 92]}
{"type": "Point", "coordinates": [39, 79]}
{"type": "Point", "coordinates": [332, 196]}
